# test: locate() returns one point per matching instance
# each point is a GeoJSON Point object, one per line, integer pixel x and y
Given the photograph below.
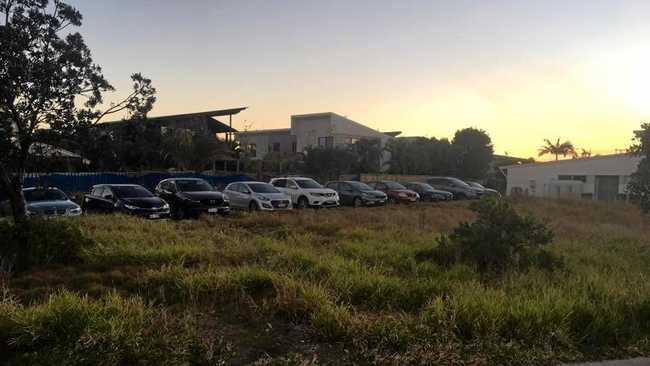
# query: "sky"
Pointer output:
{"type": "Point", "coordinates": [523, 71]}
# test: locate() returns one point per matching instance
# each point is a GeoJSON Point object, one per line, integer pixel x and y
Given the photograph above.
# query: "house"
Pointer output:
{"type": "Point", "coordinates": [326, 130]}
{"type": "Point", "coordinates": [602, 178]}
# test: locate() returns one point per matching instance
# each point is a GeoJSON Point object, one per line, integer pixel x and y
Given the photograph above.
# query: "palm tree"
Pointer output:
{"type": "Point", "coordinates": [585, 153]}
{"type": "Point", "coordinates": [565, 148]}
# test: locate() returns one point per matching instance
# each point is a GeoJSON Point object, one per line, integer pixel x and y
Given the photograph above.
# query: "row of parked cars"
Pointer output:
{"type": "Point", "coordinates": [190, 197]}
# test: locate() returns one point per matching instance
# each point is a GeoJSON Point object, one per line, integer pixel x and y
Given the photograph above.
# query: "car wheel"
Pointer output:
{"type": "Point", "coordinates": [357, 202]}
{"type": "Point", "coordinates": [302, 202]}
{"type": "Point", "coordinates": [253, 206]}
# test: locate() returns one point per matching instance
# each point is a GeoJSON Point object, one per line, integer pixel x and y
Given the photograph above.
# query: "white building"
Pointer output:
{"type": "Point", "coordinates": [599, 178]}
{"type": "Point", "coordinates": [310, 130]}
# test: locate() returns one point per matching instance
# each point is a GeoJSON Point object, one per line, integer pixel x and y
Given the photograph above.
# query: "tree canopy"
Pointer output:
{"type": "Point", "coordinates": [48, 82]}
{"type": "Point", "coordinates": [639, 186]}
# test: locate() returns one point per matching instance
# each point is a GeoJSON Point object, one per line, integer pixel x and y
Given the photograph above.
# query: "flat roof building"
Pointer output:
{"type": "Point", "coordinates": [326, 130]}
{"type": "Point", "coordinates": [602, 178]}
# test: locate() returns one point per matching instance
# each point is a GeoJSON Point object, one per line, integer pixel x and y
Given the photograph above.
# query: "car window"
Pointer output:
{"type": "Point", "coordinates": [360, 186]}
{"type": "Point", "coordinates": [107, 192]}
{"type": "Point", "coordinates": [394, 185]}
{"type": "Point", "coordinates": [97, 191]}
{"type": "Point", "coordinates": [131, 192]}
{"type": "Point", "coordinates": [291, 184]}
{"type": "Point", "coordinates": [280, 183]}
{"type": "Point", "coordinates": [242, 188]}
{"type": "Point", "coordinates": [308, 183]}
{"type": "Point", "coordinates": [191, 185]}
{"type": "Point", "coordinates": [263, 188]}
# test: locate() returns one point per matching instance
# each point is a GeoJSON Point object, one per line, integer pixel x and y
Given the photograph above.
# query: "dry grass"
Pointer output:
{"type": "Point", "coordinates": [344, 286]}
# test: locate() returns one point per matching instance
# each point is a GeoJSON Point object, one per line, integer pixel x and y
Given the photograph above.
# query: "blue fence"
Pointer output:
{"type": "Point", "coordinates": [82, 182]}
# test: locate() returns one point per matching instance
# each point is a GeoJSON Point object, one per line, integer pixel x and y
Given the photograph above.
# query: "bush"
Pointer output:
{"type": "Point", "coordinates": [38, 242]}
{"type": "Point", "coordinates": [499, 240]}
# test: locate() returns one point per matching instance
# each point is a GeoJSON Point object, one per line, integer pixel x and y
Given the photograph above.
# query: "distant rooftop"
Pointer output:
{"type": "Point", "coordinates": [189, 120]}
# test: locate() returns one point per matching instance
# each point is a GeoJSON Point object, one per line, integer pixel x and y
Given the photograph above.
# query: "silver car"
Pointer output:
{"type": "Point", "coordinates": [256, 196]}
{"type": "Point", "coordinates": [49, 202]}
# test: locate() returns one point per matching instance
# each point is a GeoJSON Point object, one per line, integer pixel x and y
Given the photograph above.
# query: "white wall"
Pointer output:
{"type": "Point", "coordinates": [308, 128]}
{"type": "Point", "coordinates": [537, 178]}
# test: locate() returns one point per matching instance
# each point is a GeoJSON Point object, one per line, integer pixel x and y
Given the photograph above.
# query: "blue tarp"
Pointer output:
{"type": "Point", "coordinates": [82, 182]}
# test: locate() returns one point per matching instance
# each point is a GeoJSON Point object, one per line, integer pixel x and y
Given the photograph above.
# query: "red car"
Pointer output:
{"type": "Point", "coordinates": [396, 192]}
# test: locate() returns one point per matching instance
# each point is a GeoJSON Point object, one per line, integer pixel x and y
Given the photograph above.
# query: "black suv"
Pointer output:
{"type": "Point", "coordinates": [191, 197]}
{"type": "Point", "coordinates": [428, 193]}
{"type": "Point", "coordinates": [357, 194]}
{"type": "Point", "coordinates": [126, 198]}
{"type": "Point", "coordinates": [455, 186]}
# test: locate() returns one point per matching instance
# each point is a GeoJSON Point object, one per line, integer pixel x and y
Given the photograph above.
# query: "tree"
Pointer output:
{"type": "Point", "coordinates": [328, 163]}
{"type": "Point", "coordinates": [43, 73]}
{"type": "Point", "coordinates": [474, 153]}
{"type": "Point", "coordinates": [565, 148]}
{"type": "Point", "coordinates": [369, 152]}
{"type": "Point", "coordinates": [639, 185]}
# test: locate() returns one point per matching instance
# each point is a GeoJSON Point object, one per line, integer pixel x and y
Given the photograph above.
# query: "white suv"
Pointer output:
{"type": "Point", "coordinates": [306, 192]}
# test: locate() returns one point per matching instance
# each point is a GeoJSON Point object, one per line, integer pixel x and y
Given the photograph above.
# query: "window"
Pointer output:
{"type": "Point", "coordinates": [291, 184]}
{"type": "Point", "coordinates": [97, 191]}
{"type": "Point", "coordinates": [294, 147]}
{"type": "Point", "coordinates": [581, 178]}
{"type": "Point", "coordinates": [280, 183]}
{"type": "Point", "coordinates": [351, 140]}
{"type": "Point", "coordinates": [252, 150]}
{"type": "Point", "coordinates": [276, 147]}
{"type": "Point", "coordinates": [326, 142]}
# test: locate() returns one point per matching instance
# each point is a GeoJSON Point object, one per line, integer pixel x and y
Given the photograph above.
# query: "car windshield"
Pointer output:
{"type": "Point", "coordinates": [193, 186]}
{"type": "Point", "coordinates": [394, 185]}
{"type": "Point", "coordinates": [475, 185]}
{"type": "Point", "coordinates": [36, 195]}
{"type": "Point", "coordinates": [459, 182]}
{"type": "Point", "coordinates": [308, 183]}
{"type": "Point", "coordinates": [360, 186]}
{"type": "Point", "coordinates": [262, 188]}
{"type": "Point", "coordinates": [423, 186]}
{"type": "Point", "coordinates": [131, 192]}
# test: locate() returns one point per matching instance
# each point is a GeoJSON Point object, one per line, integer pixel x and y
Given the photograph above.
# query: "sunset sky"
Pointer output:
{"type": "Point", "coordinates": [521, 70]}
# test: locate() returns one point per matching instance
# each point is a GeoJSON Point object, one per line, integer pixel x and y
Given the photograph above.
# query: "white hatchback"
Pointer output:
{"type": "Point", "coordinates": [306, 192]}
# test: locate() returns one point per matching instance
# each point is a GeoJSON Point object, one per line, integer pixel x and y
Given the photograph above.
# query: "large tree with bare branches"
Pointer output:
{"type": "Point", "coordinates": [48, 81]}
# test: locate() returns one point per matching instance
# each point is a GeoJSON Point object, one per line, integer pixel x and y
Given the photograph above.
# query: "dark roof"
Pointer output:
{"type": "Point", "coordinates": [392, 133]}
{"type": "Point", "coordinates": [190, 120]}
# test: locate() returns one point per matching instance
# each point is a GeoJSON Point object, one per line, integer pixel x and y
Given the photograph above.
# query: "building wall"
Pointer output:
{"type": "Point", "coordinates": [308, 128]}
{"type": "Point", "coordinates": [541, 179]}
{"type": "Point", "coordinates": [264, 141]}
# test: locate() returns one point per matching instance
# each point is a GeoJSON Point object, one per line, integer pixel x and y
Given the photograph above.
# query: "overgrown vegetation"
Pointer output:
{"type": "Point", "coordinates": [334, 287]}
{"type": "Point", "coordinates": [499, 240]}
{"type": "Point", "coordinates": [639, 186]}
{"type": "Point", "coordinates": [38, 242]}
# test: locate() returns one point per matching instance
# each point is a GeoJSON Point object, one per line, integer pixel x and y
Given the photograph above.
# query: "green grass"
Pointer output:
{"type": "Point", "coordinates": [331, 287]}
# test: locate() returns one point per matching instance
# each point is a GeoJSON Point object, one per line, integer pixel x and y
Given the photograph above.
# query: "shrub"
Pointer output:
{"type": "Point", "coordinates": [500, 239]}
{"type": "Point", "coordinates": [38, 242]}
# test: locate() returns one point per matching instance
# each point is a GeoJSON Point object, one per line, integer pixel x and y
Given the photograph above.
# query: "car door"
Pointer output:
{"type": "Point", "coordinates": [346, 193]}
{"type": "Point", "coordinates": [233, 194]}
{"type": "Point", "coordinates": [107, 201]}
{"type": "Point", "coordinates": [281, 185]}
{"type": "Point", "coordinates": [91, 200]}
{"type": "Point", "coordinates": [293, 190]}
{"type": "Point", "coordinates": [167, 192]}
{"type": "Point", "coordinates": [245, 195]}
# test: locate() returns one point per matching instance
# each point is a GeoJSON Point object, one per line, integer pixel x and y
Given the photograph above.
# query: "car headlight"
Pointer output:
{"type": "Point", "coordinates": [402, 194]}
{"type": "Point", "coordinates": [165, 206]}
{"type": "Point", "coordinates": [225, 198]}
{"type": "Point", "coordinates": [130, 207]}
{"type": "Point", "coordinates": [74, 210]}
{"type": "Point", "coordinates": [262, 198]}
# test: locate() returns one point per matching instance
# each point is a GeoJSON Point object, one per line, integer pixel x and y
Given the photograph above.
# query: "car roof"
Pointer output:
{"type": "Point", "coordinates": [181, 178]}
{"type": "Point", "coordinates": [116, 185]}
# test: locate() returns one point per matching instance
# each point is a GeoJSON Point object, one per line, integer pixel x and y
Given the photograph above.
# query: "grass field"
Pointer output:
{"type": "Point", "coordinates": [331, 287]}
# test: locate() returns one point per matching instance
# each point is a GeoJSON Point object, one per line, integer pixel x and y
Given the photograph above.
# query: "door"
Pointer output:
{"type": "Point", "coordinates": [292, 190]}
{"type": "Point", "coordinates": [607, 187]}
{"type": "Point", "coordinates": [235, 195]}
{"type": "Point", "coordinates": [346, 193]}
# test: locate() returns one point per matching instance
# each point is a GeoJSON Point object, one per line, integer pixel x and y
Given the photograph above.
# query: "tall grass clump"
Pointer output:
{"type": "Point", "coordinates": [69, 329]}
{"type": "Point", "coordinates": [39, 242]}
{"type": "Point", "coordinates": [498, 240]}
